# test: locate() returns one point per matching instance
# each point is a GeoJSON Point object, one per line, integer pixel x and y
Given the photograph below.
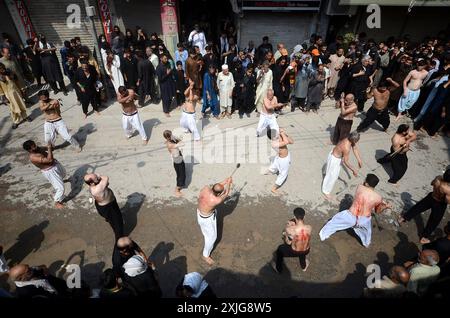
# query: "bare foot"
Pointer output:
{"type": "Point", "coordinates": [275, 191]}
{"type": "Point", "coordinates": [59, 205]}
{"type": "Point", "coordinates": [208, 260]}
{"type": "Point", "coordinates": [167, 114]}
{"type": "Point", "coordinates": [328, 197]}
{"type": "Point", "coordinates": [78, 149]}
{"type": "Point", "coordinates": [424, 240]}
{"type": "Point", "coordinates": [144, 142]}
{"type": "Point", "coordinates": [97, 112]}
{"type": "Point", "coordinates": [398, 117]}
{"type": "Point", "coordinates": [85, 116]}
{"type": "Point", "coordinates": [307, 265]}
{"type": "Point", "coordinates": [178, 193]}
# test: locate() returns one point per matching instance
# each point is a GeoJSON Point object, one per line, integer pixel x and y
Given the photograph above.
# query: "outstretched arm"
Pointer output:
{"type": "Point", "coordinates": [357, 155]}
{"type": "Point", "coordinates": [348, 165]}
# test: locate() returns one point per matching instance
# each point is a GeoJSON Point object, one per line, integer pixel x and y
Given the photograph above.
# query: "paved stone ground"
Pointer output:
{"type": "Point", "coordinates": [250, 223]}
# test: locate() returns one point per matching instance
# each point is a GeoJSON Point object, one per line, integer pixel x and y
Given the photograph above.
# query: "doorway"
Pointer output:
{"type": "Point", "coordinates": [212, 17]}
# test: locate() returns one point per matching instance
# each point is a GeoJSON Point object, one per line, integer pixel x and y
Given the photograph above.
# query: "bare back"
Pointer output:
{"type": "Point", "coordinates": [366, 200]}
{"type": "Point", "coordinates": [207, 201]}
{"type": "Point", "coordinates": [342, 148]}
{"type": "Point", "coordinates": [301, 236]}
{"type": "Point", "coordinates": [441, 190]}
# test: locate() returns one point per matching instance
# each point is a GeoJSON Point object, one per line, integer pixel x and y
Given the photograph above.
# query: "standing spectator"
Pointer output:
{"type": "Point", "coordinates": [50, 66]}
{"type": "Point", "coordinates": [72, 66]}
{"type": "Point", "coordinates": [197, 38]}
{"type": "Point", "coordinates": [11, 63]}
{"type": "Point", "coordinates": [181, 83]}
{"type": "Point", "coordinates": [129, 69]}
{"type": "Point", "coordinates": [315, 89]}
{"type": "Point", "coordinates": [155, 62]}
{"type": "Point", "coordinates": [359, 82]}
{"type": "Point", "coordinates": [262, 50]}
{"type": "Point", "coordinates": [210, 58]}
{"type": "Point", "coordinates": [396, 80]}
{"type": "Point", "coordinates": [334, 46]}
{"type": "Point", "coordinates": [33, 57]}
{"type": "Point", "coordinates": [63, 52]}
{"type": "Point", "coordinates": [146, 78]}
{"type": "Point", "coordinates": [194, 285]}
{"type": "Point", "coordinates": [130, 41]}
{"type": "Point", "coordinates": [117, 41]}
{"type": "Point", "coordinates": [301, 83]}
{"type": "Point", "coordinates": [250, 51]}
{"type": "Point", "coordinates": [280, 80]}
{"type": "Point", "coordinates": [210, 92]}
{"type": "Point", "coordinates": [343, 81]}
{"type": "Point", "coordinates": [264, 79]}
{"type": "Point", "coordinates": [142, 40]}
{"type": "Point", "coordinates": [246, 93]}
{"type": "Point", "coordinates": [231, 53]}
{"type": "Point", "coordinates": [336, 64]}
{"type": "Point", "coordinates": [193, 68]}
{"type": "Point", "coordinates": [224, 46]}
{"type": "Point", "coordinates": [423, 272]}
{"type": "Point", "coordinates": [167, 84]}
{"type": "Point", "coordinates": [225, 85]}
{"type": "Point", "coordinates": [86, 78]}
{"type": "Point", "coordinates": [181, 54]}
{"type": "Point", "coordinates": [296, 237]}
{"type": "Point", "coordinates": [9, 89]}
{"type": "Point", "coordinates": [112, 68]}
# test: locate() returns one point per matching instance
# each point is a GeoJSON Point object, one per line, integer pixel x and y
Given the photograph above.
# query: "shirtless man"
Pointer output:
{"type": "Point", "coordinates": [339, 152]}
{"type": "Point", "coordinates": [436, 200]}
{"type": "Point", "coordinates": [345, 120]}
{"type": "Point", "coordinates": [267, 116]}
{"type": "Point", "coordinates": [379, 111]}
{"type": "Point", "coordinates": [282, 160]}
{"type": "Point", "coordinates": [53, 121]}
{"type": "Point", "coordinates": [105, 202]}
{"type": "Point", "coordinates": [210, 197]}
{"type": "Point", "coordinates": [296, 237]}
{"type": "Point", "coordinates": [52, 170]}
{"type": "Point", "coordinates": [400, 146]}
{"type": "Point", "coordinates": [411, 87]}
{"type": "Point", "coordinates": [187, 120]}
{"type": "Point", "coordinates": [359, 215]}
{"type": "Point", "coordinates": [130, 119]}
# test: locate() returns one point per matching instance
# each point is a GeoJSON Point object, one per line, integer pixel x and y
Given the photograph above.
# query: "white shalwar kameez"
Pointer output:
{"type": "Point", "coordinates": [281, 166]}
{"type": "Point", "coordinates": [189, 124]}
{"type": "Point", "coordinates": [267, 121]}
{"type": "Point", "coordinates": [208, 226]}
{"type": "Point", "coordinates": [58, 127]}
{"type": "Point", "coordinates": [132, 122]}
{"type": "Point", "coordinates": [55, 175]}
{"type": "Point", "coordinates": [332, 173]}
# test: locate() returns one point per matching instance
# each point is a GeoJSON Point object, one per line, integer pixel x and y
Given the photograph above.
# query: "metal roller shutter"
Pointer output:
{"type": "Point", "coordinates": [284, 27]}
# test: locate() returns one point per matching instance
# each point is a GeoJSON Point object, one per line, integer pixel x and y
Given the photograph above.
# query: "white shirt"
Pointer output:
{"type": "Point", "coordinates": [198, 39]}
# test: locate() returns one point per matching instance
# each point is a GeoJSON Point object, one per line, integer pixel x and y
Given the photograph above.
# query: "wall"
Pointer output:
{"type": "Point", "coordinates": [143, 13]}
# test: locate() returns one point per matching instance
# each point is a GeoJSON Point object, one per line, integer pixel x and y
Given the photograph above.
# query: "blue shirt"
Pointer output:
{"type": "Point", "coordinates": [181, 57]}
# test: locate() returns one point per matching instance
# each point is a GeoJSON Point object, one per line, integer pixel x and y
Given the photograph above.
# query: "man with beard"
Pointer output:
{"type": "Point", "coordinates": [145, 81]}
{"type": "Point", "coordinates": [336, 64]}
{"type": "Point", "coordinates": [167, 84]}
{"type": "Point", "coordinates": [129, 69]}
{"type": "Point", "coordinates": [360, 81]}
{"type": "Point", "coordinates": [32, 55]}
{"type": "Point", "coordinates": [193, 69]}
{"type": "Point", "coordinates": [50, 66]}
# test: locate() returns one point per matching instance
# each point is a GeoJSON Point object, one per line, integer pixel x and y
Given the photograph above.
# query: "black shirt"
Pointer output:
{"type": "Point", "coordinates": [118, 259]}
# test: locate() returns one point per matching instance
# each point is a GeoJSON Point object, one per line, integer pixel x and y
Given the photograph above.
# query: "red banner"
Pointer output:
{"type": "Point", "coordinates": [105, 16]}
{"type": "Point", "coordinates": [169, 17]}
{"type": "Point", "coordinates": [25, 18]}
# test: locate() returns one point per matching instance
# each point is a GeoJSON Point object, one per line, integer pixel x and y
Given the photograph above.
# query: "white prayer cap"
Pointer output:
{"type": "Point", "coordinates": [136, 265]}
{"type": "Point", "coordinates": [225, 67]}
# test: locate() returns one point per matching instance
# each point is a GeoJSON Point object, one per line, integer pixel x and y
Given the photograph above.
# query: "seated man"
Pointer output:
{"type": "Point", "coordinates": [424, 272]}
{"type": "Point", "coordinates": [390, 286]}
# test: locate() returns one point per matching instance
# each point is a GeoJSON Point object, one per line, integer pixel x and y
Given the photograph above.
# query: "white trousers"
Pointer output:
{"type": "Point", "coordinates": [266, 121]}
{"type": "Point", "coordinates": [208, 226]}
{"type": "Point", "coordinates": [187, 121]}
{"type": "Point", "coordinates": [344, 220]}
{"type": "Point", "coordinates": [58, 127]}
{"type": "Point", "coordinates": [55, 176]}
{"type": "Point", "coordinates": [132, 123]}
{"type": "Point", "coordinates": [332, 174]}
{"type": "Point", "coordinates": [281, 166]}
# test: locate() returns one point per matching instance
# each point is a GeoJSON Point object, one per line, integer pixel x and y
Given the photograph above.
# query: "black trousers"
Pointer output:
{"type": "Point", "coordinates": [375, 115]}
{"type": "Point", "coordinates": [180, 99]}
{"type": "Point", "coordinates": [297, 102]}
{"type": "Point", "coordinates": [342, 129]}
{"type": "Point", "coordinates": [399, 163]}
{"type": "Point", "coordinates": [285, 250]}
{"type": "Point", "coordinates": [360, 103]}
{"type": "Point", "coordinates": [112, 214]}
{"type": "Point", "coordinates": [437, 213]}
{"type": "Point", "coordinates": [180, 169]}
{"type": "Point", "coordinates": [62, 86]}
{"type": "Point", "coordinates": [88, 99]}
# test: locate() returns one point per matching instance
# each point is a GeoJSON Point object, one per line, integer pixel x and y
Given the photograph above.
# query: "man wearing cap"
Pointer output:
{"type": "Point", "coordinates": [225, 84]}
